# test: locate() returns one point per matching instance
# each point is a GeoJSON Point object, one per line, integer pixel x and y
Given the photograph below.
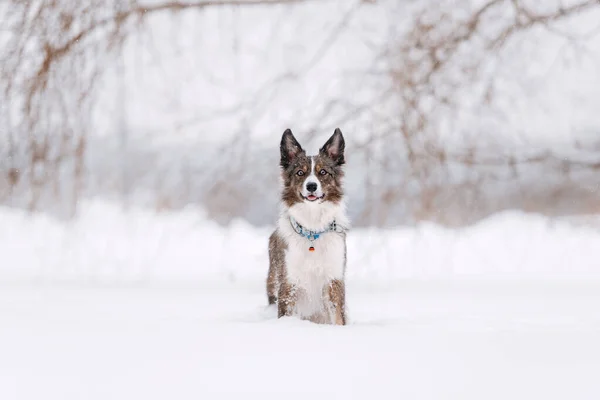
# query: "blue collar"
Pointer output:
{"type": "Point", "coordinates": [314, 235]}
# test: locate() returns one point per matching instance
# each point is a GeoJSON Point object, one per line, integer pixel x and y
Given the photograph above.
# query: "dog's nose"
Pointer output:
{"type": "Point", "coordinates": [311, 187]}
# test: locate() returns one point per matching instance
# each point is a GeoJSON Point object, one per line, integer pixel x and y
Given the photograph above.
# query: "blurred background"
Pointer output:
{"type": "Point", "coordinates": [452, 111]}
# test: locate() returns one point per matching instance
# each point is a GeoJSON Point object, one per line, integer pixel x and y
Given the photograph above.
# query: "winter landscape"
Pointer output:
{"type": "Point", "coordinates": [139, 150]}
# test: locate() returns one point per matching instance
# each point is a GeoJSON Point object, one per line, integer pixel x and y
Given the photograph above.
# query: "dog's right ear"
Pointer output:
{"type": "Point", "coordinates": [290, 148]}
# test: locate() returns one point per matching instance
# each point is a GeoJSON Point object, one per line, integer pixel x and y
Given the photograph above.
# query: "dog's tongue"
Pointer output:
{"type": "Point", "coordinates": [312, 197]}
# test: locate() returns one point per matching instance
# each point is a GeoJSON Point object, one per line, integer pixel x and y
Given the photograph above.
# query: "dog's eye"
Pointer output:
{"type": "Point", "coordinates": [300, 172]}
{"type": "Point", "coordinates": [323, 172]}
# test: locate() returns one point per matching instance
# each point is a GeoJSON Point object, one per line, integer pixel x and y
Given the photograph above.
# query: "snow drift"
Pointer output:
{"type": "Point", "coordinates": [106, 242]}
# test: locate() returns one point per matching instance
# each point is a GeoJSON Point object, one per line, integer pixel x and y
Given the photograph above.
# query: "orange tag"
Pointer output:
{"type": "Point", "coordinates": [311, 248]}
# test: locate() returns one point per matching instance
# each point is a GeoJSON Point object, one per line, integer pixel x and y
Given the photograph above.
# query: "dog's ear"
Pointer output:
{"type": "Point", "coordinates": [289, 148]}
{"type": "Point", "coordinates": [334, 147]}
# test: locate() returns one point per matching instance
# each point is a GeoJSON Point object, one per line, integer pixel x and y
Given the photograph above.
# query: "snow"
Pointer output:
{"type": "Point", "coordinates": [131, 304]}
{"type": "Point", "coordinates": [107, 243]}
{"type": "Point", "coordinates": [417, 340]}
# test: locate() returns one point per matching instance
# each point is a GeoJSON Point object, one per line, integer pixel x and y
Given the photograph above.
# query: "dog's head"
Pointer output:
{"type": "Point", "coordinates": [312, 179]}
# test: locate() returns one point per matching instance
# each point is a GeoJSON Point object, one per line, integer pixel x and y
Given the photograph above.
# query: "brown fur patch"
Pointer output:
{"type": "Point", "coordinates": [277, 248]}
{"type": "Point", "coordinates": [286, 302]}
{"type": "Point", "coordinates": [331, 181]}
{"type": "Point", "coordinates": [337, 297]}
{"type": "Point", "coordinates": [292, 182]}
{"type": "Point", "coordinates": [279, 291]}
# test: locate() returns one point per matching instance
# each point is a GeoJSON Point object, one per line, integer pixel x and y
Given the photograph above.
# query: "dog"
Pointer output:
{"type": "Point", "coordinates": [307, 250]}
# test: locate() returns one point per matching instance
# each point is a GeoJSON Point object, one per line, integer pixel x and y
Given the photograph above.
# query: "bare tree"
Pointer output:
{"type": "Point", "coordinates": [53, 54]}
{"type": "Point", "coordinates": [442, 52]}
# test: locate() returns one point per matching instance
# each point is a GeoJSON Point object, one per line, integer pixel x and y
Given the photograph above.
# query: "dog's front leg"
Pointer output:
{"type": "Point", "coordinates": [286, 303]}
{"type": "Point", "coordinates": [337, 297]}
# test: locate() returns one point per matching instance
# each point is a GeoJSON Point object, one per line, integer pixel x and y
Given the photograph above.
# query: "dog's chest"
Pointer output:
{"type": "Point", "coordinates": [317, 268]}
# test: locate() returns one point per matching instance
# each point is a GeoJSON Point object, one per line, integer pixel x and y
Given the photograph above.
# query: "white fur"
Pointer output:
{"type": "Point", "coordinates": [312, 178]}
{"type": "Point", "coordinates": [312, 272]}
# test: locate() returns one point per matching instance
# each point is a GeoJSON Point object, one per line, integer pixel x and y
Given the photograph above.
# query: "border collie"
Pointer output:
{"type": "Point", "coordinates": [307, 251]}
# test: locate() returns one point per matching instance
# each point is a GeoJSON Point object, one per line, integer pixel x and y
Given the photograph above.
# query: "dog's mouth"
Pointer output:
{"type": "Point", "coordinates": [312, 197]}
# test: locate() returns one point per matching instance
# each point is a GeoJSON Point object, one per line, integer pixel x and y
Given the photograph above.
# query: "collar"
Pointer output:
{"type": "Point", "coordinates": [314, 235]}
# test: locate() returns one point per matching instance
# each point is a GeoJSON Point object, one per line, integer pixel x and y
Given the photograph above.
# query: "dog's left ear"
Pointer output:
{"type": "Point", "coordinates": [334, 147]}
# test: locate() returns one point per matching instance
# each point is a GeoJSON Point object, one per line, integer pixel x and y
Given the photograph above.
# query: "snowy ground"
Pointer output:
{"type": "Point", "coordinates": [417, 340]}
{"type": "Point", "coordinates": [102, 309]}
